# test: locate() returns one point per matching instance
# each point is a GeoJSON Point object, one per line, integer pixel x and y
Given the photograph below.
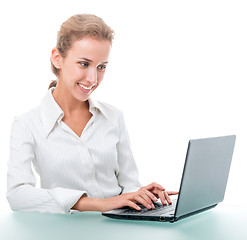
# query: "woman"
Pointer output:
{"type": "Point", "coordinates": [78, 146]}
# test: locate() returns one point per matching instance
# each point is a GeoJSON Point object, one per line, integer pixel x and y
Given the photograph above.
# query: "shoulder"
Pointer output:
{"type": "Point", "coordinates": [28, 119]}
{"type": "Point", "coordinates": [109, 111]}
{"type": "Point", "coordinates": [110, 108]}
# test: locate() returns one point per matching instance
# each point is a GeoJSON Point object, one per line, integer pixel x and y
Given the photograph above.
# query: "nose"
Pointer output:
{"type": "Point", "coordinates": [91, 75]}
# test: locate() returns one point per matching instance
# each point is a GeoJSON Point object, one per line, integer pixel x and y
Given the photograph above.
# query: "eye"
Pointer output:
{"type": "Point", "coordinates": [102, 67]}
{"type": "Point", "coordinates": [84, 64]}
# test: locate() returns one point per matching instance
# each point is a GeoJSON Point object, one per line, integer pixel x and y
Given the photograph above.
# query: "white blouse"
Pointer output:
{"type": "Point", "coordinates": [98, 164]}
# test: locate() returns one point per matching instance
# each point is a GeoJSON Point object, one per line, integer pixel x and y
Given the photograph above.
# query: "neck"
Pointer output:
{"type": "Point", "coordinates": [67, 102]}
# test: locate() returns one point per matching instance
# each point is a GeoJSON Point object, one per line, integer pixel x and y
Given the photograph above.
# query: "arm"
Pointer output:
{"type": "Point", "coordinates": [21, 192]}
{"type": "Point", "coordinates": [143, 196]}
{"type": "Point", "coordinates": [128, 176]}
{"type": "Point", "coordinates": [126, 199]}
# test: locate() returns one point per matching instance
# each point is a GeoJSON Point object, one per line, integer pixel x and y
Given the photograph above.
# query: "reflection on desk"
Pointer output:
{"type": "Point", "coordinates": [223, 222]}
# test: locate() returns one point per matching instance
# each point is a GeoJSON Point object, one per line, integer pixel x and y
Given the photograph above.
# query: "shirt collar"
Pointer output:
{"type": "Point", "coordinates": [94, 104]}
{"type": "Point", "coordinates": [52, 113]}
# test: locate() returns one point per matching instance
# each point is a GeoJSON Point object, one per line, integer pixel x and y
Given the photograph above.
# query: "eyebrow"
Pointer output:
{"type": "Point", "coordinates": [88, 60]}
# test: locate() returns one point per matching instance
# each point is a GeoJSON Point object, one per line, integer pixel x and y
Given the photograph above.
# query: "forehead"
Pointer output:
{"type": "Point", "coordinates": [90, 48]}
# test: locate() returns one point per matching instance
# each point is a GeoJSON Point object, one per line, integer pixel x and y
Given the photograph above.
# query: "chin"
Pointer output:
{"type": "Point", "coordinates": [81, 98]}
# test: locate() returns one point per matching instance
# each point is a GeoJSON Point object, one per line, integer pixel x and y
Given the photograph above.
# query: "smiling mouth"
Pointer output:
{"type": "Point", "coordinates": [85, 87]}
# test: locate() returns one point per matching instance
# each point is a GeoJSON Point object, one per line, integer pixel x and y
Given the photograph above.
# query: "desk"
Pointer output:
{"type": "Point", "coordinates": [222, 222]}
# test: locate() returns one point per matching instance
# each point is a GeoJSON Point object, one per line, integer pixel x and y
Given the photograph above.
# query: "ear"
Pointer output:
{"type": "Point", "coordinates": [56, 58]}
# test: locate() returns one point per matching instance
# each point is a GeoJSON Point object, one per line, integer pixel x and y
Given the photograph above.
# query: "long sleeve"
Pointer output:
{"type": "Point", "coordinates": [21, 191]}
{"type": "Point", "coordinates": [128, 176]}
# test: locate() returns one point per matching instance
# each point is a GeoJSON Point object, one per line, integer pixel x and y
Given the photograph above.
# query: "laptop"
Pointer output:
{"type": "Point", "coordinates": [202, 187]}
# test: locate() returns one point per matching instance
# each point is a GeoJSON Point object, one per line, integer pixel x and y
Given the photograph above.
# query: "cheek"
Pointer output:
{"type": "Point", "coordinates": [75, 73]}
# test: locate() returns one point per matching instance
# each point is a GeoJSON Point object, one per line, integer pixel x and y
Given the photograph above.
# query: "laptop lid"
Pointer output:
{"type": "Point", "coordinates": [205, 174]}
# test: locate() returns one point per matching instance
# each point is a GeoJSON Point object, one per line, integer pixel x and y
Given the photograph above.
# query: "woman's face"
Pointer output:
{"type": "Point", "coordinates": [82, 70]}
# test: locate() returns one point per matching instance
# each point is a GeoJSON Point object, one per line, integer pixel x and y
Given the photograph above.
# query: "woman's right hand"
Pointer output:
{"type": "Point", "coordinates": [142, 196]}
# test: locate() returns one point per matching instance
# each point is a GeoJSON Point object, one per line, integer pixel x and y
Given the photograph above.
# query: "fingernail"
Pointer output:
{"type": "Point", "coordinates": [155, 199]}
{"type": "Point", "coordinates": [153, 206]}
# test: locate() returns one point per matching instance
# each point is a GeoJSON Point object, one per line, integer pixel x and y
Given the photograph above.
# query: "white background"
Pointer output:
{"type": "Point", "coordinates": [177, 70]}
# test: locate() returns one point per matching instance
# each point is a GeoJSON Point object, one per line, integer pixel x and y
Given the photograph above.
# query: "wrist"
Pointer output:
{"type": "Point", "coordinates": [88, 204]}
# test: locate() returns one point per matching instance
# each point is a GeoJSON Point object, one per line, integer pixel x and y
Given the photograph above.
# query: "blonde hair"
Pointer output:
{"type": "Point", "coordinates": [75, 28]}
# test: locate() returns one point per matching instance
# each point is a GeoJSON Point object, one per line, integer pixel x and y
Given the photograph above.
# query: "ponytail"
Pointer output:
{"type": "Point", "coordinates": [53, 84]}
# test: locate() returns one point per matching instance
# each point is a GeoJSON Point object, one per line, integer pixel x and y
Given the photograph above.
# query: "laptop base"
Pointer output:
{"type": "Point", "coordinates": [171, 219]}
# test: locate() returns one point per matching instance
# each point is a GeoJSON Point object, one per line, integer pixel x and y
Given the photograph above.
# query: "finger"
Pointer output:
{"type": "Point", "coordinates": [155, 191]}
{"type": "Point", "coordinates": [167, 197]}
{"type": "Point", "coordinates": [154, 185]}
{"type": "Point", "coordinates": [147, 196]}
{"type": "Point", "coordinates": [142, 201]}
{"type": "Point", "coordinates": [162, 197]}
{"type": "Point", "coordinates": [133, 205]}
{"type": "Point", "coordinates": [151, 196]}
{"type": "Point", "coordinates": [172, 193]}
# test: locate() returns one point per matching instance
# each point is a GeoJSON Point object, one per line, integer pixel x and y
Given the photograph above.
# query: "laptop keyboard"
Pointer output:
{"type": "Point", "coordinates": [160, 209]}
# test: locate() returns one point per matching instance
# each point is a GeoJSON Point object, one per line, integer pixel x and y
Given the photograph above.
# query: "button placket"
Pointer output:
{"type": "Point", "coordinates": [88, 128]}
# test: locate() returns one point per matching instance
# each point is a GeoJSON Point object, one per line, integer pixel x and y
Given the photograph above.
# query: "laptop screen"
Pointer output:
{"type": "Point", "coordinates": [205, 174]}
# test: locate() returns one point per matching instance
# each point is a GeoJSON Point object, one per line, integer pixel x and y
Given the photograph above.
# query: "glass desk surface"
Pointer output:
{"type": "Point", "coordinates": [223, 222]}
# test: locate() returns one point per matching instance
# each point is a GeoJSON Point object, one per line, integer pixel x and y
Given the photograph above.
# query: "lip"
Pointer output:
{"type": "Point", "coordinates": [86, 85]}
{"type": "Point", "coordinates": [85, 90]}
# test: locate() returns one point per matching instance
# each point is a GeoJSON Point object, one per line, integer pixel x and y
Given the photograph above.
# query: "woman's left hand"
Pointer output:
{"type": "Point", "coordinates": [158, 191]}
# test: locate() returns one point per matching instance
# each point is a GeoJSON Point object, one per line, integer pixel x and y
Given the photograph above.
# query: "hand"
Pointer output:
{"type": "Point", "coordinates": [157, 190]}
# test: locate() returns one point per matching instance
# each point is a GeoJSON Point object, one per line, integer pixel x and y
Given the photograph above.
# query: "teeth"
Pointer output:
{"type": "Point", "coordinates": [87, 88]}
